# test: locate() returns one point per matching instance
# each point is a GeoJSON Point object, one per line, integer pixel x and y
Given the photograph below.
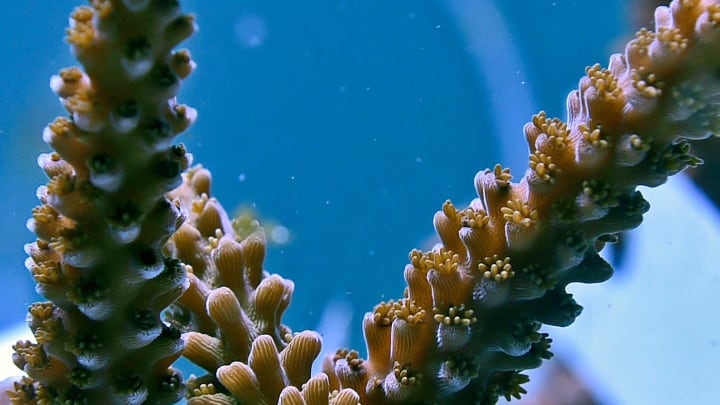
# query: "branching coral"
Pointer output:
{"type": "Point", "coordinates": [468, 322]}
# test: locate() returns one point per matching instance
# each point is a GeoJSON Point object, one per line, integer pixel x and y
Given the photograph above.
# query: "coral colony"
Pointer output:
{"type": "Point", "coordinates": [140, 264]}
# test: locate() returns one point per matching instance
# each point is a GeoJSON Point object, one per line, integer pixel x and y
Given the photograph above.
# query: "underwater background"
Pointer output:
{"type": "Point", "coordinates": [343, 126]}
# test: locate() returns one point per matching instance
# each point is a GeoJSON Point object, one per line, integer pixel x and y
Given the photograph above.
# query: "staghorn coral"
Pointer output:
{"type": "Point", "coordinates": [469, 321]}
{"type": "Point", "coordinates": [104, 217]}
{"type": "Point", "coordinates": [231, 313]}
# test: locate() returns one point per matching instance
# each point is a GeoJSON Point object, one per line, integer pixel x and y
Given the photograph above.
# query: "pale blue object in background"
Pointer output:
{"type": "Point", "coordinates": [651, 335]}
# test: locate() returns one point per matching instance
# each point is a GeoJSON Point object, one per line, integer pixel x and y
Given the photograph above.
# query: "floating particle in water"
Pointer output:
{"type": "Point", "coordinates": [250, 30]}
{"type": "Point", "coordinates": [280, 235]}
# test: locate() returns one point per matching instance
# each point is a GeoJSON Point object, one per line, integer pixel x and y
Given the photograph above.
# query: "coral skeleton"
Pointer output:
{"type": "Point", "coordinates": [140, 264]}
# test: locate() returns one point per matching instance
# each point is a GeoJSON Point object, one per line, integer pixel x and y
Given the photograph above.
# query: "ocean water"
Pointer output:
{"type": "Point", "coordinates": [345, 123]}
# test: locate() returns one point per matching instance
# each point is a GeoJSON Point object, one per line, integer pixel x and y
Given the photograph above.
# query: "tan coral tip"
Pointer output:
{"type": "Point", "coordinates": [346, 397]}
{"type": "Point", "coordinates": [224, 308]}
{"type": "Point", "coordinates": [200, 179]}
{"type": "Point", "coordinates": [265, 362]}
{"type": "Point", "coordinates": [298, 356]}
{"type": "Point", "coordinates": [316, 390]}
{"type": "Point", "coordinates": [229, 261]}
{"type": "Point", "coordinates": [351, 370]}
{"type": "Point", "coordinates": [203, 350]}
{"type": "Point", "coordinates": [254, 249]}
{"type": "Point", "coordinates": [291, 396]}
{"type": "Point", "coordinates": [242, 382]}
{"type": "Point", "coordinates": [182, 63]}
{"type": "Point", "coordinates": [271, 299]}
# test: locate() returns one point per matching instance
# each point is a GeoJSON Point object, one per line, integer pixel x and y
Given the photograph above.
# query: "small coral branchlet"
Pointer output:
{"type": "Point", "coordinates": [104, 217]}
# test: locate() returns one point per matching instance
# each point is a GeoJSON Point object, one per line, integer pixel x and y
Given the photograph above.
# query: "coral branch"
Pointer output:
{"type": "Point", "coordinates": [104, 217]}
{"type": "Point", "coordinates": [505, 261]}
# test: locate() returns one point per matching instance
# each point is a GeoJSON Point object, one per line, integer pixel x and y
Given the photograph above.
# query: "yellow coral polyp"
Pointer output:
{"type": "Point", "coordinates": [496, 269]}
{"type": "Point", "coordinates": [54, 165]}
{"type": "Point", "coordinates": [26, 392]}
{"type": "Point", "coordinates": [71, 75]}
{"type": "Point", "coordinates": [44, 214]}
{"type": "Point", "coordinates": [646, 83]}
{"type": "Point", "coordinates": [82, 30]}
{"type": "Point", "coordinates": [199, 203]}
{"type": "Point", "coordinates": [639, 47]}
{"type": "Point", "coordinates": [604, 81]}
{"type": "Point", "coordinates": [31, 353]}
{"type": "Point", "coordinates": [352, 357]}
{"type": "Point", "coordinates": [48, 331]}
{"type": "Point", "coordinates": [343, 397]}
{"type": "Point", "coordinates": [463, 368]}
{"type": "Point", "coordinates": [213, 241]}
{"type": "Point", "coordinates": [102, 7]}
{"type": "Point", "coordinates": [451, 212]}
{"type": "Point", "coordinates": [474, 218]}
{"type": "Point", "coordinates": [594, 136]}
{"type": "Point", "coordinates": [672, 38]}
{"type": "Point", "coordinates": [79, 103]}
{"type": "Point", "coordinates": [714, 14]}
{"type": "Point", "coordinates": [543, 166]}
{"type": "Point", "coordinates": [519, 213]}
{"type": "Point", "coordinates": [554, 128]}
{"type": "Point", "coordinates": [404, 375]}
{"type": "Point", "coordinates": [601, 193]}
{"type": "Point", "coordinates": [417, 258]}
{"type": "Point", "coordinates": [637, 143]}
{"type": "Point", "coordinates": [455, 316]}
{"type": "Point", "coordinates": [202, 389]}
{"type": "Point", "coordinates": [502, 176]}
{"type": "Point", "coordinates": [445, 261]}
{"type": "Point", "coordinates": [47, 273]}
{"type": "Point", "coordinates": [410, 312]}
{"type": "Point", "coordinates": [61, 126]}
{"type": "Point", "coordinates": [61, 184]}
{"type": "Point", "coordinates": [41, 310]}
{"type": "Point", "coordinates": [441, 260]}
{"type": "Point", "coordinates": [385, 313]}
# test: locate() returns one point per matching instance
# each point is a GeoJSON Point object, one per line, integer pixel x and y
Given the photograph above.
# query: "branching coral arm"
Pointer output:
{"type": "Point", "coordinates": [104, 217]}
{"type": "Point", "coordinates": [505, 261]}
